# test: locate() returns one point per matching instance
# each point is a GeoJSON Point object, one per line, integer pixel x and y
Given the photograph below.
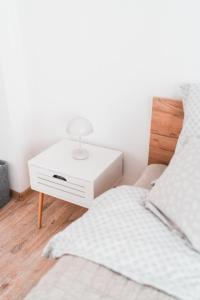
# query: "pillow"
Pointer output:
{"type": "Point", "coordinates": [191, 104]}
{"type": "Point", "coordinates": [150, 174]}
{"type": "Point", "coordinates": [177, 192]}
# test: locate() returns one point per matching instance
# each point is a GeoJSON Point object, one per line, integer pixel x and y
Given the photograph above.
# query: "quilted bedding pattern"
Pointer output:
{"type": "Point", "coordinates": [120, 234]}
{"type": "Point", "coordinates": [75, 278]}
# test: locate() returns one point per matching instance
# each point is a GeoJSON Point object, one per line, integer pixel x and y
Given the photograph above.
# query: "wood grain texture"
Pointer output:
{"type": "Point", "coordinates": [21, 243]}
{"type": "Point", "coordinates": [166, 124]}
{"type": "Point", "coordinates": [22, 195]}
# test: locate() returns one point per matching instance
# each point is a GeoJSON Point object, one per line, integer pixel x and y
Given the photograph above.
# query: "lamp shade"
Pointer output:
{"type": "Point", "coordinates": [79, 127]}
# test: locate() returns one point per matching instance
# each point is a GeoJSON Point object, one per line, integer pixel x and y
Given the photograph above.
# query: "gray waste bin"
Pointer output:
{"type": "Point", "coordinates": [4, 183]}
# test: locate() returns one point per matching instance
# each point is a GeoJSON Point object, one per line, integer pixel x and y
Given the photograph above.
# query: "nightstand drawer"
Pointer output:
{"type": "Point", "coordinates": [56, 173]}
{"type": "Point", "coordinates": [61, 186]}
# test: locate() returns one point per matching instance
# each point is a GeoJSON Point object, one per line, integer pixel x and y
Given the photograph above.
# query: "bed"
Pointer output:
{"type": "Point", "coordinates": [77, 278]}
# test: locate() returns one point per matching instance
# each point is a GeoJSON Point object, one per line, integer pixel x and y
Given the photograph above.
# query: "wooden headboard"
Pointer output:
{"type": "Point", "coordinates": [166, 124]}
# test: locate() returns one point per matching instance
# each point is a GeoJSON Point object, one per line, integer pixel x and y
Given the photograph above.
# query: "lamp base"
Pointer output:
{"type": "Point", "coordinates": [80, 154]}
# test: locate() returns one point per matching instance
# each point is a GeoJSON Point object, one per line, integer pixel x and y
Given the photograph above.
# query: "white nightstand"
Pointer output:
{"type": "Point", "coordinates": [54, 172]}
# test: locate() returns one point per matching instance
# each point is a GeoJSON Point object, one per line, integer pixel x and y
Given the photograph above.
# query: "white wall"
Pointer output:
{"type": "Point", "coordinates": [15, 105]}
{"type": "Point", "coordinates": [105, 60]}
{"type": "Point", "coordinates": [5, 132]}
{"type": "Point", "coordinates": [7, 145]}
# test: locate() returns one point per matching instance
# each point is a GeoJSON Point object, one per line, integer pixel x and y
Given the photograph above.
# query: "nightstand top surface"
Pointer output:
{"type": "Point", "coordinates": [58, 158]}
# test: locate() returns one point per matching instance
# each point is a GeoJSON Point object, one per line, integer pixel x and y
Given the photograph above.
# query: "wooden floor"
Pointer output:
{"type": "Point", "coordinates": [21, 242]}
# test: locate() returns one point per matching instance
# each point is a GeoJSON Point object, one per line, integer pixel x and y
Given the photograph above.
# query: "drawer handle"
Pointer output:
{"type": "Point", "coordinates": [60, 177]}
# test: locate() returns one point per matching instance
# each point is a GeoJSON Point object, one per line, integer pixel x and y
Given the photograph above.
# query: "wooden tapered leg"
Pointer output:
{"type": "Point", "coordinates": [40, 207]}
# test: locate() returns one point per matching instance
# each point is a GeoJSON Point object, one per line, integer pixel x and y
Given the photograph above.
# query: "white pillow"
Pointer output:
{"type": "Point", "coordinates": [177, 192]}
{"type": "Point", "coordinates": [150, 174]}
{"type": "Point", "coordinates": [191, 104]}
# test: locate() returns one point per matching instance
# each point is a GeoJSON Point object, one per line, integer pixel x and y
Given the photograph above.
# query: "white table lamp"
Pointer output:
{"type": "Point", "coordinates": [80, 127]}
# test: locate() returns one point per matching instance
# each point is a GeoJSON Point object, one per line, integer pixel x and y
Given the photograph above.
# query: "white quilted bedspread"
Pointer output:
{"type": "Point", "coordinates": [120, 234]}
